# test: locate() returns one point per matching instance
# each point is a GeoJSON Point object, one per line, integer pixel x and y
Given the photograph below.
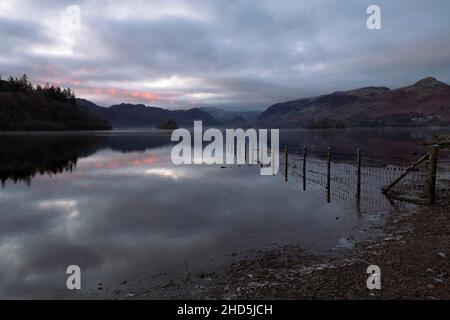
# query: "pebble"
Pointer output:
{"type": "Point", "coordinates": [441, 254]}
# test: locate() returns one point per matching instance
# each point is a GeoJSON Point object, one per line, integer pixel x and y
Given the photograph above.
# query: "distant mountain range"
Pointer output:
{"type": "Point", "coordinates": [141, 116]}
{"type": "Point", "coordinates": [427, 102]}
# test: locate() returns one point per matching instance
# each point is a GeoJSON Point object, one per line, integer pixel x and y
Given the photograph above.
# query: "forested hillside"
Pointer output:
{"type": "Point", "coordinates": [25, 107]}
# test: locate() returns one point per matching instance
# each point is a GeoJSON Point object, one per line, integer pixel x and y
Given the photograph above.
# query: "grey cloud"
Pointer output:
{"type": "Point", "coordinates": [252, 53]}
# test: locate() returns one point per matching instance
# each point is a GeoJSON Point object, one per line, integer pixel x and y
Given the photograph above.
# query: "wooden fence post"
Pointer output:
{"type": "Point", "coordinates": [358, 179]}
{"type": "Point", "coordinates": [405, 173]}
{"type": "Point", "coordinates": [358, 173]}
{"type": "Point", "coordinates": [286, 164]}
{"type": "Point", "coordinates": [431, 179]}
{"type": "Point", "coordinates": [304, 168]}
{"type": "Point", "coordinates": [328, 174]}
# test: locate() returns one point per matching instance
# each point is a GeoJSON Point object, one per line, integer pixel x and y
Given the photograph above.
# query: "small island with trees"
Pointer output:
{"type": "Point", "coordinates": [168, 124]}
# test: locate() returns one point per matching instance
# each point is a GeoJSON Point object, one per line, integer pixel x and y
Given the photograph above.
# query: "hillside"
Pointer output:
{"type": "Point", "coordinates": [23, 107]}
{"type": "Point", "coordinates": [427, 102]}
{"type": "Point", "coordinates": [232, 118]}
{"type": "Point", "coordinates": [141, 116]}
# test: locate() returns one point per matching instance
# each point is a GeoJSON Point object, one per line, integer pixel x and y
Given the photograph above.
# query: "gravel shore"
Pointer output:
{"type": "Point", "coordinates": [413, 255]}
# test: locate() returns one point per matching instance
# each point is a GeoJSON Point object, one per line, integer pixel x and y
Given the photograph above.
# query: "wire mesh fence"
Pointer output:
{"type": "Point", "coordinates": [335, 173]}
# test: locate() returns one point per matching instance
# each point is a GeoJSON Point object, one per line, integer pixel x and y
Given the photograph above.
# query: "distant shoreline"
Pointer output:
{"type": "Point", "coordinates": [118, 129]}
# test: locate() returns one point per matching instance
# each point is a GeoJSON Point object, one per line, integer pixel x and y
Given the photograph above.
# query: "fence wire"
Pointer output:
{"type": "Point", "coordinates": [376, 172]}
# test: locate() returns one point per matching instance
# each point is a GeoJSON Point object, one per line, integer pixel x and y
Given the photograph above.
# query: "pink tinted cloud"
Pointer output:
{"type": "Point", "coordinates": [120, 94]}
{"type": "Point", "coordinates": [146, 95]}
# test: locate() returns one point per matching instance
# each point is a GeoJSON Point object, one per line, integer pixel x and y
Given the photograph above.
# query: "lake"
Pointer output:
{"type": "Point", "coordinates": [114, 204]}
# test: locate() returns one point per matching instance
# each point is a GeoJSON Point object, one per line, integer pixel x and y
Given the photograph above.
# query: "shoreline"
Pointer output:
{"type": "Point", "coordinates": [412, 251]}
{"type": "Point", "coordinates": [414, 258]}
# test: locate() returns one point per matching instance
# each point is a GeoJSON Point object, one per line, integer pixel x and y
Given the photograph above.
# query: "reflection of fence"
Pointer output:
{"type": "Point", "coordinates": [360, 177]}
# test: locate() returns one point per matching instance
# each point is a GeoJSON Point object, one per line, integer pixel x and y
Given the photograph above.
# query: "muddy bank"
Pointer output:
{"type": "Point", "coordinates": [414, 257]}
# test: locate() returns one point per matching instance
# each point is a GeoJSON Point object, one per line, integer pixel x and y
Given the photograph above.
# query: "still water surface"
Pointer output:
{"type": "Point", "coordinates": [114, 204]}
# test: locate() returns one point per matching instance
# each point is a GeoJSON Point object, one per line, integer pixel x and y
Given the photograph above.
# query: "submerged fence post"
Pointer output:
{"type": "Point", "coordinates": [286, 164]}
{"type": "Point", "coordinates": [328, 174]}
{"type": "Point", "coordinates": [431, 179]}
{"type": "Point", "coordinates": [304, 168]}
{"type": "Point", "coordinates": [272, 154]}
{"type": "Point", "coordinates": [358, 179]}
{"type": "Point", "coordinates": [246, 156]}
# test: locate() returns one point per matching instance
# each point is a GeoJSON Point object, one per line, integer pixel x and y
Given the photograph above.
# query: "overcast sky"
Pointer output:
{"type": "Point", "coordinates": [240, 55]}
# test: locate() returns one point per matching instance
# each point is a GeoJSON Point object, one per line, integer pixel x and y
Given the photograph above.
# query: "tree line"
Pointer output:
{"type": "Point", "coordinates": [24, 107]}
{"type": "Point", "coordinates": [23, 85]}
